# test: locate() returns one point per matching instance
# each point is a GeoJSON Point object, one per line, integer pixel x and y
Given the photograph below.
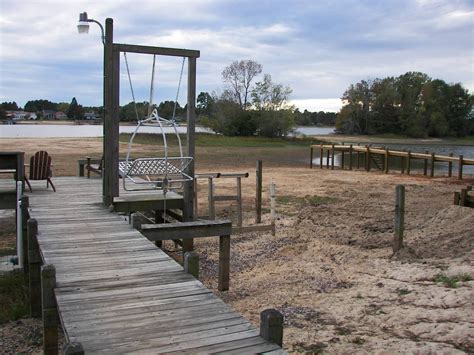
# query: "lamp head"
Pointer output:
{"type": "Point", "coordinates": [83, 24]}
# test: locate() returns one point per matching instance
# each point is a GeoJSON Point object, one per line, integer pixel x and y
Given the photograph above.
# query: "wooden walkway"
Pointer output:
{"type": "Point", "coordinates": [117, 292]}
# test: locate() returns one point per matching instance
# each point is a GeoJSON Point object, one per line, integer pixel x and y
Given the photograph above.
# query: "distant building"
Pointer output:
{"type": "Point", "coordinates": [48, 114]}
{"type": "Point", "coordinates": [32, 116]}
{"type": "Point", "coordinates": [89, 116]}
{"type": "Point", "coordinates": [16, 115]}
{"type": "Point", "coordinates": [59, 115]}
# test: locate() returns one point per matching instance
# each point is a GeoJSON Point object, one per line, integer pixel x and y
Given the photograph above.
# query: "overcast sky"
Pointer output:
{"type": "Point", "coordinates": [316, 47]}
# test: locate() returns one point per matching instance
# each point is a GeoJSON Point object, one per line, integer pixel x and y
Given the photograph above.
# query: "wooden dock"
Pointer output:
{"type": "Point", "coordinates": [113, 290]}
{"type": "Point", "coordinates": [379, 158]}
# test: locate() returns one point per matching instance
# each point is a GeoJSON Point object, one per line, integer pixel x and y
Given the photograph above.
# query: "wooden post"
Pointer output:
{"type": "Point", "coordinates": [311, 157]}
{"type": "Point", "coordinates": [457, 198]}
{"type": "Point", "coordinates": [50, 313]}
{"type": "Point", "coordinates": [224, 262]}
{"type": "Point", "coordinates": [399, 218]}
{"type": "Point", "coordinates": [73, 349]}
{"type": "Point", "coordinates": [425, 164]}
{"type": "Point", "coordinates": [327, 159]}
{"type": "Point", "coordinates": [210, 198]}
{"type": "Point", "coordinates": [402, 163]}
{"type": "Point", "coordinates": [432, 164]}
{"type": "Point", "coordinates": [191, 263]}
{"type": "Point", "coordinates": [258, 197]}
{"type": "Point", "coordinates": [272, 206]}
{"type": "Point", "coordinates": [367, 158]}
{"type": "Point", "coordinates": [34, 260]}
{"type": "Point", "coordinates": [25, 215]}
{"type": "Point", "coordinates": [239, 202]}
{"type": "Point", "coordinates": [332, 159]}
{"type": "Point", "coordinates": [450, 166]}
{"type": "Point", "coordinates": [460, 167]}
{"type": "Point", "coordinates": [321, 154]}
{"type": "Point", "coordinates": [408, 162]}
{"type": "Point", "coordinates": [358, 157]}
{"type": "Point", "coordinates": [463, 197]}
{"type": "Point", "coordinates": [188, 193]}
{"type": "Point", "coordinates": [271, 326]}
{"type": "Point", "coordinates": [386, 160]}
{"type": "Point", "coordinates": [350, 157]}
{"type": "Point", "coordinates": [109, 120]}
{"type": "Point", "coordinates": [196, 208]}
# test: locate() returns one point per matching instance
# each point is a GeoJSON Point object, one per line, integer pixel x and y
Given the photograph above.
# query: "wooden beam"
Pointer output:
{"type": "Point", "coordinates": [107, 195]}
{"type": "Point", "coordinates": [186, 230]}
{"type": "Point", "coordinates": [311, 157]}
{"type": "Point", "coordinates": [50, 312]}
{"type": "Point", "coordinates": [271, 326]}
{"type": "Point", "coordinates": [224, 262]}
{"type": "Point", "coordinates": [34, 260]}
{"type": "Point", "coordinates": [350, 157]}
{"type": "Point", "coordinates": [460, 163]}
{"type": "Point", "coordinates": [321, 154]}
{"type": "Point", "coordinates": [173, 52]}
{"type": "Point", "coordinates": [450, 166]}
{"type": "Point", "coordinates": [399, 218]}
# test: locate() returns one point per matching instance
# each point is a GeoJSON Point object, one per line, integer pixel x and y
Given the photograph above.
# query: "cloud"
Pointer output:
{"type": "Point", "coordinates": [318, 48]}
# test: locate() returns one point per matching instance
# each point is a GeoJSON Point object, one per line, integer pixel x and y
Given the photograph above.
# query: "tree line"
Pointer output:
{"type": "Point", "coordinates": [411, 104]}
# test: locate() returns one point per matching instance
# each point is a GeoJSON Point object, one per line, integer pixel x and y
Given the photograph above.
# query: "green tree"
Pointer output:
{"type": "Point", "coordinates": [9, 106]}
{"type": "Point", "coordinates": [39, 105]}
{"type": "Point", "coordinates": [75, 110]}
{"type": "Point", "coordinates": [63, 107]}
{"type": "Point", "coordinates": [128, 113]}
{"type": "Point", "coordinates": [205, 103]}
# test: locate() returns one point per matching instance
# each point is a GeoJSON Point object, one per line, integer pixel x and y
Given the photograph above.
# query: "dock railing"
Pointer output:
{"type": "Point", "coordinates": [379, 156]}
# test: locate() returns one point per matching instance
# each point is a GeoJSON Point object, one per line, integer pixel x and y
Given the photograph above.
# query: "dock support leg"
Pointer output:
{"type": "Point", "coordinates": [224, 262]}
{"type": "Point", "coordinates": [321, 155]}
{"type": "Point", "coordinates": [432, 164]}
{"type": "Point", "coordinates": [239, 202]}
{"type": "Point", "coordinates": [34, 260]}
{"type": "Point", "coordinates": [271, 326]}
{"type": "Point", "coordinates": [386, 161]}
{"type": "Point", "coordinates": [350, 157]}
{"type": "Point", "coordinates": [210, 198]}
{"type": "Point", "coordinates": [191, 263]}
{"type": "Point", "coordinates": [408, 162]}
{"type": "Point", "coordinates": [25, 203]}
{"type": "Point", "coordinates": [311, 157]}
{"type": "Point", "coordinates": [332, 157]}
{"type": "Point", "coordinates": [425, 164]}
{"type": "Point", "coordinates": [50, 313]}
{"type": "Point", "coordinates": [460, 167]}
{"type": "Point", "coordinates": [73, 349]}
{"type": "Point", "coordinates": [327, 159]}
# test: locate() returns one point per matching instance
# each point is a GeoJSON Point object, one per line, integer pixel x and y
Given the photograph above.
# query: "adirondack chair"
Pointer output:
{"type": "Point", "coordinates": [40, 169]}
{"type": "Point", "coordinates": [92, 166]}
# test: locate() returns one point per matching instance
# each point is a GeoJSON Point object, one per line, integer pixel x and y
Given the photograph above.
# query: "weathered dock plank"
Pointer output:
{"type": "Point", "coordinates": [117, 292]}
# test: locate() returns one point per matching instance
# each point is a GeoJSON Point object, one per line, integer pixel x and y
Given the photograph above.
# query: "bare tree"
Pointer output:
{"type": "Point", "coordinates": [239, 76]}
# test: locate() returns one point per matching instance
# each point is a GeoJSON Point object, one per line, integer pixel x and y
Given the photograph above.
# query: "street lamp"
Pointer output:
{"type": "Point", "coordinates": [83, 25]}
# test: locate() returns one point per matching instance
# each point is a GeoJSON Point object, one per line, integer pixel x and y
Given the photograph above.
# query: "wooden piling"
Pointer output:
{"type": "Point", "coordinates": [457, 198]}
{"type": "Point", "coordinates": [258, 197]}
{"type": "Point", "coordinates": [425, 164]}
{"type": "Point", "coordinates": [408, 161]}
{"type": "Point", "coordinates": [358, 157]}
{"type": "Point", "coordinates": [386, 160]}
{"type": "Point", "coordinates": [367, 158]}
{"type": "Point", "coordinates": [332, 155]}
{"type": "Point", "coordinates": [191, 263]}
{"type": "Point", "coordinates": [342, 159]}
{"type": "Point", "coordinates": [460, 167]}
{"type": "Point", "coordinates": [311, 157]}
{"type": "Point", "coordinates": [50, 313]}
{"type": "Point", "coordinates": [271, 326]}
{"type": "Point", "coordinates": [239, 202]}
{"type": "Point", "coordinates": [25, 215]}
{"type": "Point", "coordinates": [463, 197]}
{"type": "Point", "coordinates": [224, 262]}
{"type": "Point", "coordinates": [321, 155]}
{"type": "Point", "coordinates": [402, 163]}
{"type": "Point", "coordinates": [327, 159]}
{"type": "Point", "coordinates": [432, 164]}
{"type": "Point", "coordinates": [210, 198]}
{"type": "Point", "coordinates": [350, 157]}
{"type": "Point", "coordinates": [34, 275]}
{"type": "Point", "coordinates": [450, 166]}
{"type": "Point", "coordinates": [399, 218]}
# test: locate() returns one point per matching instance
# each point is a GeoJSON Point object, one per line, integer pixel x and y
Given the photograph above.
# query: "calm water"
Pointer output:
{"type": "Point", "coordinates": [42, 131]}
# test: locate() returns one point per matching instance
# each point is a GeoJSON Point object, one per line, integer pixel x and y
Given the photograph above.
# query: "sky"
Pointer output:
{"type": "Point", "coordinates": [317, 47]}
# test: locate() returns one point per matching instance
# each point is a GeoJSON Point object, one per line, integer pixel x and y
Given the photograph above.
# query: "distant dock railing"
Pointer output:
{"type": "Point", "coordinates": [379, 157]}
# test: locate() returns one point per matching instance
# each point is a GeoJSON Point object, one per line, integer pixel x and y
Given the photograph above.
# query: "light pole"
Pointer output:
{"type": "Point", "coordinates": [109, 190]}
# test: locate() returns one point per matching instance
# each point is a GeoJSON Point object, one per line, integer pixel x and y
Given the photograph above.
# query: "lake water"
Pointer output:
{"type": "Point", "coordinates": [52, 130]}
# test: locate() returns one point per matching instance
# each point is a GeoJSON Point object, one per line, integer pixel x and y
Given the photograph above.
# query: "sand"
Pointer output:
{"type": "Point", "coordinates": [330, 268]}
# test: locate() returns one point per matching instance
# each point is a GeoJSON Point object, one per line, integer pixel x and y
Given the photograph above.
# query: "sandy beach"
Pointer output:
{"type": "Point", "coordinates": [330, 268]}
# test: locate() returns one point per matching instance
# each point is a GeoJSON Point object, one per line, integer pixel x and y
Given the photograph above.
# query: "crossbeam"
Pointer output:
{"type": "Point", "coordinates": [174, 52]}
{"type": "Point", "coordinates": [186, 230]}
